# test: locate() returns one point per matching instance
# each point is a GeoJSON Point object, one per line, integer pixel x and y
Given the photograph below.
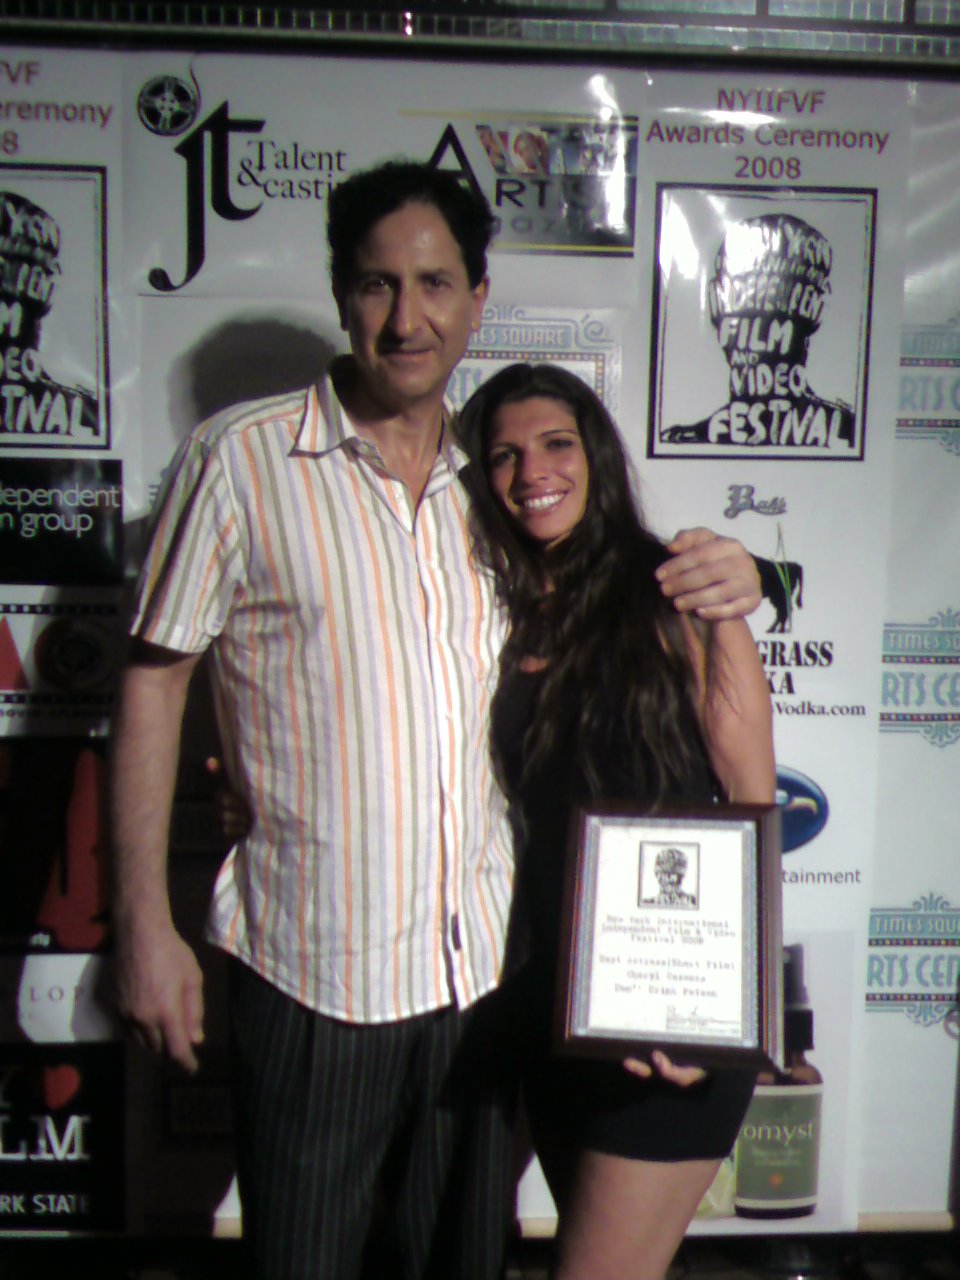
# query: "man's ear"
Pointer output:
{"type": "Point", "coordinates": [340, 298]}
{"type": "Point", "coordinates": [479, 302]}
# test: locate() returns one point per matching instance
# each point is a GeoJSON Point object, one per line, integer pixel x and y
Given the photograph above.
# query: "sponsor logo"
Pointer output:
{"type": "Point", "coordinates": [743, 497]}
{"type": "Point", "coordinates": [61, 521]}
{"type": "Point", "coordinates": [203, 177]}
{"type": "Point", "coordinates": [786, 660]}
{"type": "Point", "coordinates": [803, 807]}
{"type": "Point", "coordinates": [53, 998]}
{"type": "Point", "coordinates": [913, 963]}
{"type": "Point", "coordinates": [168, 105]}
{"type": "Point", "coordinates": [920, 684]}
{"type": "Point", "coordinates": [586, 345]}
{"type": "Point", "coordinates": [558, 184]}
{"type": "Point", "coordinates": [929, 406]}
{"type": "Point", "coordinates": [781, 582]}
{"type": "Point", "coordinates": [224, 154]}
{"type": "Point", "coordinates": [58, 659]}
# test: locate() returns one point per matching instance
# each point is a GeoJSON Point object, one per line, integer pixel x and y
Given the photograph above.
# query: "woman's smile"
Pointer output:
{"type": "Point", "coordinates": [537, 467]}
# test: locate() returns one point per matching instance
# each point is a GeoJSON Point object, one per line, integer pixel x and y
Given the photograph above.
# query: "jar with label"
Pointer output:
{"type": "Point", "coordinates": [778, 1150]}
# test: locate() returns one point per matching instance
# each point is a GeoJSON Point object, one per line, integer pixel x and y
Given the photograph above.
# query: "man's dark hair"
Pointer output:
{"type": "Point", "coordinates": [358, 204]}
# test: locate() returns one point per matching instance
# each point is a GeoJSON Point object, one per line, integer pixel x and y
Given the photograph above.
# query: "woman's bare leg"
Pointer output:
{"type": "Point", "coordinates": [625, 1219]}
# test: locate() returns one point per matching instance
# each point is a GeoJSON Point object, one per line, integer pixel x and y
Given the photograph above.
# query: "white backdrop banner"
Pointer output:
{"type": "Point", "coordinates": [723, 257]}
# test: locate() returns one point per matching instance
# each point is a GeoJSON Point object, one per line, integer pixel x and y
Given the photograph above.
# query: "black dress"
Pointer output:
{"type": "Point", "coordinates": [594, 1105]}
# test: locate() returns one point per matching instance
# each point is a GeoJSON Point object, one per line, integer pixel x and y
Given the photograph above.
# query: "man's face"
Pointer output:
{"type": "Point", "coordinates": [409, 308]}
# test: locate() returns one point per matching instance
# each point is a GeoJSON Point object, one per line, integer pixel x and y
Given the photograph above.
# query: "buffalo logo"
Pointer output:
{"type": "Point", "coordinates": [168, 106]}
{"type": "Point", "coordinates": [803, 808]}
{"type": "Point", "coordinates": [781, 582]}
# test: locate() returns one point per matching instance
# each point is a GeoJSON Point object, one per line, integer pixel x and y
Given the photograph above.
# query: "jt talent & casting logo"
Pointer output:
{"type": "Point", "coordinates": [226, 154]}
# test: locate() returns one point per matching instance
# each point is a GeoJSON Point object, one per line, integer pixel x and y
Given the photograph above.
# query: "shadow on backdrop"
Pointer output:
{"type": "Point", "coordinates": [244, 359]}
{"type": "Point", "coordinates": [185, 1123]}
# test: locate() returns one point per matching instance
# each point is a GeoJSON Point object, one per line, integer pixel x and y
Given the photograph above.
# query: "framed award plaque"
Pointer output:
{"type": "Point", "coordinates": [672, 936]}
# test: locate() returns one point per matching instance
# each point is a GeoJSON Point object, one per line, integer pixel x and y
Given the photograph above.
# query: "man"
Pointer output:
{"type": "Point", "coordinates": [320, 544]}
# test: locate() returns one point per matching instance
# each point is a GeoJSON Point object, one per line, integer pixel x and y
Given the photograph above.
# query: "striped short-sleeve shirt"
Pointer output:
{"type": "Point", "coordinates": [355, 653]}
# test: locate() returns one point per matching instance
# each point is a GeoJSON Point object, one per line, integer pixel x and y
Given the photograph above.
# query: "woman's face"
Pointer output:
{"type": "Point", "coordinates": [537, 468]}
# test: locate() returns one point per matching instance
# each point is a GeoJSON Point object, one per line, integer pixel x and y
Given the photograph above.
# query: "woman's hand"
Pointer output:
{"type": "Point", "coordinates": [662, 1066]}
{"type": "Point", "coordinates": [232, 810]}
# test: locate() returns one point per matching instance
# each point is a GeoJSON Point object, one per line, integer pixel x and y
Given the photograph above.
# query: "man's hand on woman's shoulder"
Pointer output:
{"type": "Point", "coordinates": [709, 575]}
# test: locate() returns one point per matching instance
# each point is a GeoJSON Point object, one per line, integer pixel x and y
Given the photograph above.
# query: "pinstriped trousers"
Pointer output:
{"type": "Point", "coordinates": [385, 1147]}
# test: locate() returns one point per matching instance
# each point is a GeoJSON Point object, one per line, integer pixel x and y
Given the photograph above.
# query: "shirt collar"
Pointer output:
{"type": "Point", "coordinates": [326, 426]}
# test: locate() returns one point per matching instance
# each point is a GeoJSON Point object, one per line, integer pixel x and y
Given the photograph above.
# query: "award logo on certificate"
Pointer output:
{"type": "Point", "coordinates": [672, 936]}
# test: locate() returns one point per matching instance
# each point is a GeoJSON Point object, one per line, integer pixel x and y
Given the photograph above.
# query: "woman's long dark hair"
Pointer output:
{"type": "Point", "coordinates": [615, 647]}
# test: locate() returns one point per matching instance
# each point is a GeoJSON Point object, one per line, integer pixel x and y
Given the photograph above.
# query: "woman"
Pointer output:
{"type": "Point", "coordinates": [605, 691]}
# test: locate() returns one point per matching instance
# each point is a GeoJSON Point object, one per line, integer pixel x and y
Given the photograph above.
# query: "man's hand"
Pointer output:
{"type": "Point", "coordinates": [158, 981]}
{"type": "Point", "coordinates": [713, 577]}
{"type": "Point", "coordinates": [232, 810]}
{"type": "Point", "coordinates": [159, 989]}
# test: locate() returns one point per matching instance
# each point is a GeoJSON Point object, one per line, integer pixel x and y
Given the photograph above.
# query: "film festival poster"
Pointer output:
{"type": "Point", "coordinates": [53, 299]}
{"type": "Point", "coordinates": [782, 343]}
